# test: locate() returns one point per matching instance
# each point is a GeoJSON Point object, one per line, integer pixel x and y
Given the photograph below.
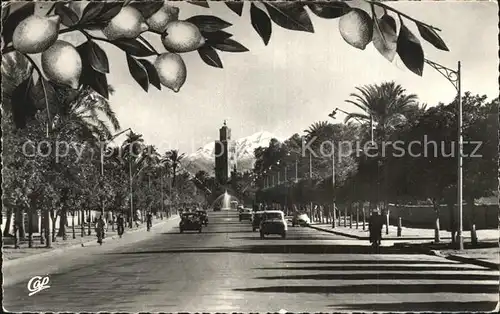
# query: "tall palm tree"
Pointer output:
{"type": "Point", "coordinates": [131, 149]}
{"type": "Point", "coordinates": [87, 112]}
{"type": "Point", "coordinates": [386, 103]}
{"type": "Point", "coordinates": [175, 160]}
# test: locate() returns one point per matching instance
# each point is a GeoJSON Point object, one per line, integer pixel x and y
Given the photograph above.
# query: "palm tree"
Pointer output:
{"type": "Point", "coordinates": [386, 104]}
{"type": "Point", "coordinates": [175, 160]}
{"type": "Point", "coordinates": [87, 112]}
{"type": "Point", "coordinates": [131, 151]}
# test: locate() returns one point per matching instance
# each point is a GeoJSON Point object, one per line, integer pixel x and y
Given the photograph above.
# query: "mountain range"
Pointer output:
{"type": "Point", "coordinates": [204, 157]}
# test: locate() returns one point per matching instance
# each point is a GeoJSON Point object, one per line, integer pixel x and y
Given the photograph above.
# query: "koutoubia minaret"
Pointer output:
{"type": "Point", "coordinates": [222, 158]}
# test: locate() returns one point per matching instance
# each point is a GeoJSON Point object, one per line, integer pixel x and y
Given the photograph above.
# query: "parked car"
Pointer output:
{"type": "Point", "coordinates": [256, 218]}
{"type": "Point", "coordinates": [300, 219]}
{"type": "Point", "coordinates": [246, 214]}
{"type": "Point", "coordinates": [273, 222]}
{"type": "Point", "coordinates": [190, 221]}
{"type": "Point", "coordinates": [202, 214]}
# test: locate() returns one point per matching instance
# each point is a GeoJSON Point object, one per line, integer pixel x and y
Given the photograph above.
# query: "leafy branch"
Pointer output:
{"type": "Point", "coordinates": [42, 81]}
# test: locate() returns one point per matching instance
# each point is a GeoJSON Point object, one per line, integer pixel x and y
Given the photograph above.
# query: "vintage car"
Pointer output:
{"type": "Point", "coordinates": [273, 222]}
{"type": "Point", "coordinates": [190, 221]}
{"type": "Point", "coordinates": [256, 217]}
{"type": "Point", "coordinates": [300, 219]}
{"type": "Point", "coordinates": [203, 216]}
{"type": "Point", "coordinates": [246, 214]}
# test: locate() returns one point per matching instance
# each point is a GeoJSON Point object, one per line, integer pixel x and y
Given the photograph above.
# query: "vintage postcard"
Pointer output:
{"type": "Point", "coordinates": [250, 156]}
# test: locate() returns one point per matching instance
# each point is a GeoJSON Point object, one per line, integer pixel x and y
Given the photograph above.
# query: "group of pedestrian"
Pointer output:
{"type": "Point", "coordinates": [101, 226]}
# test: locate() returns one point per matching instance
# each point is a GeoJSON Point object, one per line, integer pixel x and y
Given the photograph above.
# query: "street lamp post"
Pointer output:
{"type": "Point", "coordinates": [455, 78]}
{"type": "Point", "coordinates": [334, 113]}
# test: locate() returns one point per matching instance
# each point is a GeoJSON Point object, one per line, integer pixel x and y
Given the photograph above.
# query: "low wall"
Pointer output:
{"type": "Point", "coordinates": [423, 216]}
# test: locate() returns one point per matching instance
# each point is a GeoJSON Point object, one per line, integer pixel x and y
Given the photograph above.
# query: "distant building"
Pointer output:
{"type": "Point", "coordinates": [224, 155]}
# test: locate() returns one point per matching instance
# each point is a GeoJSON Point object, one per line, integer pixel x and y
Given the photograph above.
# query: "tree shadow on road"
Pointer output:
{"type": "Point", "coordinates": [478, 306]}
{"type": "Point", "coordinates": [379, 289]}
{"type": "Point", "coordinates": [285, 248]}
{"type": "Point", "coordinates": [385, 276]}
{"type": "Point", "coordinates": [378, 267]}
{"type": "Point", "coordinates": [374, 261]}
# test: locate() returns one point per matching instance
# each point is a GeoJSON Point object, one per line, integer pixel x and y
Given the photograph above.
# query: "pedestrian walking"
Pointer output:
{"type": "Point", "coordinates": [375, 224]}
{"type": "Point", "coordinates": [120, 224]}
{"type": "Point", "coordinates": [149, 220]}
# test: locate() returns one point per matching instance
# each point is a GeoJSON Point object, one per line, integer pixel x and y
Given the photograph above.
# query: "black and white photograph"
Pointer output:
{"type": "Point", "coordinates": [250, 156]}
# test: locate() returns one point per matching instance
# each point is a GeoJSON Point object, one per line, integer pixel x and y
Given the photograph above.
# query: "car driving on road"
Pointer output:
{"type": "Point", "coordinates": [273, 222]}
{"type": "Point", "coordinates": [245, 214]}
{"type": "Point", "coordinates": [300, 219]}
{"type": "Point", "coordinates": [190, 221]}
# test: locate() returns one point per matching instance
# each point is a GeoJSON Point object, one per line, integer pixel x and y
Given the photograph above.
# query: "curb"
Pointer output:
{"type": "Point", "coordinates": [339, 233]}
{"type": "Point", "coordinates": [390, 238]}
{"type": "Point", "coordinates": [467, 260]}
{"type": "Point", "coordinates": [74, 246]}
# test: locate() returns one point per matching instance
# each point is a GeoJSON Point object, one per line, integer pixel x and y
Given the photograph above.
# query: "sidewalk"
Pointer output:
{"type": "Point", "coordinates": [486, 253]}
{"type": "Point", "coordinates": [10, 253]}
{"type": "Point", "coordinates": [406, 233]}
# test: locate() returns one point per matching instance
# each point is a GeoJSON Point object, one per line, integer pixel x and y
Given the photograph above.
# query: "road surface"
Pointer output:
{"type": "Point", "coordinates": [228, 268]}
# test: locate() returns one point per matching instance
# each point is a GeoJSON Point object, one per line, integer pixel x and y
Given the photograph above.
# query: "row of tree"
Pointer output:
{"type": "Point", "coordinates": [300, 171]}
{"type": "Point", "coordinates": [56, 170]}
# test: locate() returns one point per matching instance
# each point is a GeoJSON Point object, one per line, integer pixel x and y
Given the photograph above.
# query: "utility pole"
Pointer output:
{"type": "Point", "coordinates": [131, 194]}
{"type": "Point", "coordinates": [310, 179]}
{"type": "Point", "coordinates": [333, 185]}
{"type": "Point", "coordinates": [460, 162]}
{"type": "Point", "coordinates": [161, 189]}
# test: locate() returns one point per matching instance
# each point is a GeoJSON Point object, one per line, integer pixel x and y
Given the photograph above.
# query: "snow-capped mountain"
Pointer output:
{"type": "Point", "coordinates": [243, 149]}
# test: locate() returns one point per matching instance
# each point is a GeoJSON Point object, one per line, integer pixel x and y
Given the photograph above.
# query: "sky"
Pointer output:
{"type": "Point", "coordinates": [298, 78]}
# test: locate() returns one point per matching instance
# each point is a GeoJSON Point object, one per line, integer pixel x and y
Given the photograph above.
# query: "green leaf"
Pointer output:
{"type": "Point", "coordinates": [109, 11]}
{"type": "Point", "coordinates": [200, 3]}
{"type": "Point", "coordinates": [139, 72]}
{"type": "Point", "coordinates": [97, 58]}
{"type": "Point", "coordinates": [22, 104]}
{"type": "Point", "coordinates": [236, 7]}
{"type": "Point", "coordinates": [40, 93]}
{"type": "Point", "coordinates": [68, 16]}
{"type": "Point", "coordinates": [208, 23]}
{"type": "Point", "coordinates": [126, 2]}
{"type": "Point", "coordinates": [148, 8]}
{"type": "Point", "coordinates": [261, 23]}
{"type": "Point", "coordinates": [5, 13]}
{"type": "Point", "coordinates": [90, 77]}
{"type": "Point", "coordinates": [215, 37]}
{"type": "Point", "coordinates": [431, 36]}
{"type": "Point", "coordinates": [14, 19]}
{"type": "Point", "coordinates": [154, 79]}
{"type": "Point", "coordinates": [329, 10]}
{"type": "Point", "coordinates": [210, 56]}
{"type": "Point", "coordinates": [385, 37]}
{"type": "Point", "coordinates": [133, 47]}
{"type": "Point", "coordinates": [91, 11]}
{"type": "Point", "coordinates": [230, 45]}
{"type": "Point", "coordinates": [290, 15]}
{"type": "Point", "coordinates": [410, 51]}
